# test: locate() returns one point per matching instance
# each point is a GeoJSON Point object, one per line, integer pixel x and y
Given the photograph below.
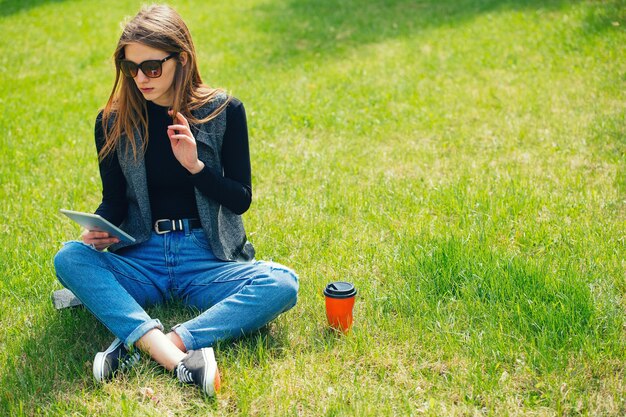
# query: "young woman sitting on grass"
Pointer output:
{"type": "Point", "coordinates": [175, 168]}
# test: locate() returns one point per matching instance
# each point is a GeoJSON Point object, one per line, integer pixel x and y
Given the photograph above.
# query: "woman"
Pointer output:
{"type": "Point", "coordinates": [175, 170]}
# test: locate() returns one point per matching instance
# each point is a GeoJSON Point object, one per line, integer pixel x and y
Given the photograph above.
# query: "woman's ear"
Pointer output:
{"type": "Point", "coordinates": [183, 58]}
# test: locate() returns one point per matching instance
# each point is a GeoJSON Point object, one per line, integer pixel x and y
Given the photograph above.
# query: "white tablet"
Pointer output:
{"type": "Point", "coordinates": [96, 222]}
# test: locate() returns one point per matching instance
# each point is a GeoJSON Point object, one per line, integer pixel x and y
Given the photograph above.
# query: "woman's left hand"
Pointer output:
{"type": "Point", "coordinates": [184, 144]}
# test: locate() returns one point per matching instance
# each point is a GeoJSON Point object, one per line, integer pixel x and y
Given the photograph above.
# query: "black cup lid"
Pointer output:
{"type": "Point", "coordinates": [340, 289]}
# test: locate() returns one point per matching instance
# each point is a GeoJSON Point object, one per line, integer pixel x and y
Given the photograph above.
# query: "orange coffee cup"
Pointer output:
{"type": "Point", "coordinates": [339, 304]}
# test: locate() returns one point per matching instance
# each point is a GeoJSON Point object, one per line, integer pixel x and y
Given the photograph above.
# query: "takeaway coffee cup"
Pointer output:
{"type": "Point", "coordinates": [339, 303]}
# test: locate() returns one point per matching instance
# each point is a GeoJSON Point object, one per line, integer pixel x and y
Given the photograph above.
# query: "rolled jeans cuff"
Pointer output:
{"type": "Point", "coordinates": [185, 336]}
{"type": "Point", "coordinates": [142, 330]}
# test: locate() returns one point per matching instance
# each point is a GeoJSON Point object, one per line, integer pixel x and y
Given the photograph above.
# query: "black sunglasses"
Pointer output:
{"type": "Point", "coordinates": [152, 68]}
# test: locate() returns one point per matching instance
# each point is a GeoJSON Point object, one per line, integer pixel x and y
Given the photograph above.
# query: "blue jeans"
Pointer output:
{"type": "Point", "coordinates": [235, 298]}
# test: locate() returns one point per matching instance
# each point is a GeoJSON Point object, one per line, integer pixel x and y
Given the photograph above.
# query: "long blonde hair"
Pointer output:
{"type": "Point", "coordinates": [159, 27]}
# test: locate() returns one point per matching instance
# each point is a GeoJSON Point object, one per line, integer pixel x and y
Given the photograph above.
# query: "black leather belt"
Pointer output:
{"type": "Point", "coordinates": [162, 226]}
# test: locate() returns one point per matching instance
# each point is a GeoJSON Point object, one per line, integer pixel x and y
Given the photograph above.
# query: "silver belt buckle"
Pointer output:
{"type": "Point", "coordinates": [156, 226]}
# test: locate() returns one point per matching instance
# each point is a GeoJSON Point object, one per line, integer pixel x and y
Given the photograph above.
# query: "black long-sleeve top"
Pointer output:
{"type": "Point", "coordinates": [170, 185]}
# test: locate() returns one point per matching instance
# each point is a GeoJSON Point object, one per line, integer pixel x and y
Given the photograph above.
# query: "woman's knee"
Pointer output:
{"type": "Point", "coordinates": [69, 259]}
{"type": "Point", "coordinates": [67, 255]}
{"type": "Point", "coordinates": [286, 282]}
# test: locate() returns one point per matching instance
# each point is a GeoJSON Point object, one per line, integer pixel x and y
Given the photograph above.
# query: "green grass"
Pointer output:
{"type": "Point", "coordinates": [462, 162]}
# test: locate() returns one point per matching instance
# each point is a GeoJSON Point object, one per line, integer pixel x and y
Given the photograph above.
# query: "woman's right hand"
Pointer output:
{"type": "Point", "coordinates": [98, 240]}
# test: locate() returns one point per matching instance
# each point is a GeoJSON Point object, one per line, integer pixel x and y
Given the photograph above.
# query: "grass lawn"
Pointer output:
{"type": "Point", "coordinates": [463, 162]}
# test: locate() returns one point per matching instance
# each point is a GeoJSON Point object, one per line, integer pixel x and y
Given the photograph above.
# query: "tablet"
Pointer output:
{"type": "Point", "coordinates": [96, 222]}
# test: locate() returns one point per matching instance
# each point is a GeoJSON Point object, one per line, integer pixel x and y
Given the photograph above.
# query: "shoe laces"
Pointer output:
{"type": "Point", "coordinates": [128, 360]}
{"type": "Point", "coordinates": [184, 374]}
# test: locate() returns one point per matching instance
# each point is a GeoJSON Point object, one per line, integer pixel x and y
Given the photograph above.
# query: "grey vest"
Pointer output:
{"type": "Point", "coordinates": [224, 229]}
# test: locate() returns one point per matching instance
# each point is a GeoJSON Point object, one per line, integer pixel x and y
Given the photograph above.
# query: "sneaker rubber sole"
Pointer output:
{"type": "Point", "coordinates": [212, 380]}
{"type": "Point", "coordinates": [98, 366]}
